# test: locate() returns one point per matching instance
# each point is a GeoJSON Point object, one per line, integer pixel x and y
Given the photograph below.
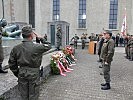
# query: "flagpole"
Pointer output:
{"type": "Point", "coordinates": [125, 22]}
{"type": "Point", "coordinates": [125, 19]}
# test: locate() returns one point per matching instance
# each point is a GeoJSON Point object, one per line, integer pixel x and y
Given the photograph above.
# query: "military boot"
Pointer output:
{"type": "Point", "coordinates": [106, 87]}
{"type": "Point", "coordinates": [103, 84]}
{"type": "Point", "coordinates": [1, 70]}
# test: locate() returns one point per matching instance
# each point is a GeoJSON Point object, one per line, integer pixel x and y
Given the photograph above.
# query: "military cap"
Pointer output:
{"type": "Point", "coordinates": [100, 34]}
{"type": "Point", "coordinates": [26, 30]}
{"type": "Point", "coordinates": [109, 32]}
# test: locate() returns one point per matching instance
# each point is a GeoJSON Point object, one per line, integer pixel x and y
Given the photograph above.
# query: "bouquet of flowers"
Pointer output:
{"type": "Point", "coordinates": [60, 61]}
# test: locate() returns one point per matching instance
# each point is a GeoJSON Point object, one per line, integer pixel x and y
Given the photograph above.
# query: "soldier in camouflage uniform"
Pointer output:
{"type": "Point", "coordinates": [75, 38]}
{"type": "Point", "coordinates": [107, 53]}
{"type": "Point", "coordinates": [83, 40]}
{"type": "Point", "coordinates": [130, 48]}
{"type": "Point", "coordinates": [58, 38]}
{"type": "Point", "coordinates": [24, 61]}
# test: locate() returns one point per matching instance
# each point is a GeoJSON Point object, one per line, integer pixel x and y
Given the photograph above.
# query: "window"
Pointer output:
{"type": "Point", "coordinates": [82, 14]}
{"type": "Point", "coordinates": [113, 14]}
{"type": "Point", "coordinates": [56, 10]}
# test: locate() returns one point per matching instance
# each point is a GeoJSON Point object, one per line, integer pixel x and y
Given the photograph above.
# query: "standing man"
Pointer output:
{"type": "Point", "coordinates": [45, 37]}
{"type": "Point", "coordinates": [24, 61]}
{"type": "Point", "coordinates": [75, 38]}
{"type": "Point", "coordinates": [117, 40]}
{"type": "Point", "coordinates": [59, 38]}
{"type": "Point", "coordinates": [3, 23]}
{"type": "Point", "coordinates": [83, 40]}
{"type": "Point", "coordinates": [107, 53]}
{"type": "Point", "coordinates": [100, 44]}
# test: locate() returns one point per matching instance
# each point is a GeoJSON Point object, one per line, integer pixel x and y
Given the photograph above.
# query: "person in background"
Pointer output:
{"type": "Point", "coordinates": [121, 41]}
{"type": "Point", "coordinates": [113, 37]}
{"type": "Point", "coordinates": [99, 47]}
{"type": "Point", "coordinates": [83, 40]}
{"type": "Point", "coordinates": [75, 38]}
{"type": "Point", "coordinates": [45, 37]}
{"type": "Point", "coordinates": [92, 37]}
{"type": "Point", "coordinates": [25, 60]}
{"type": "Point", "coordinates": [117, 40]}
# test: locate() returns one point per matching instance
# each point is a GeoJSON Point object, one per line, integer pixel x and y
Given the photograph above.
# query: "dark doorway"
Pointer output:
{"type": "Point", "coordinates": [52, 30]}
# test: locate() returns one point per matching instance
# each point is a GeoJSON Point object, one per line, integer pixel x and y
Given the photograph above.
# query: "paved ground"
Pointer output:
{"type": "Point", "coordinates": [83, 83]}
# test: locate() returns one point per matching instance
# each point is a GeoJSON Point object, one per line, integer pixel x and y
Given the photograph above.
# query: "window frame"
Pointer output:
{"type": "Point", "coordinates": [113, 14]}
{"type": "Point", "coordinates": [82, 12]}
{"type": "Point", "coordinates": [56, 10]}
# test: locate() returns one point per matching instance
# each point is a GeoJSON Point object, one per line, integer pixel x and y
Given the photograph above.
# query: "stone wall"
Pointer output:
{"type": "Point", "coordinates": [8, 44]}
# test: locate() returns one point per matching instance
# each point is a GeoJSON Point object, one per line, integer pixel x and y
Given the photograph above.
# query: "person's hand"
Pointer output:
{"type": "Point", "coordinates": [106, 63]}
{"type": "Point", "coordinates": [37, 35]}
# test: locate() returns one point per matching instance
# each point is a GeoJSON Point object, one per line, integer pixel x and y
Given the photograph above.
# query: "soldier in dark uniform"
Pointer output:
{"type": "Point", "coordinates": [59, 38]}
{"type": "Point", "coordinates": [83, 40]}
{"type": "Point", "coordinates": [92, 37]}
{"type": "Point", "coordinates": [24, 61]}
{"type": "Point", "coordinates": [130, 48]}
{"type": "Point", "coordinates": [117, 40]}
{"type": "Point", "coordinates": [45, 37]}
{"type": "Point", "coordinates": [3, 23]}
{"type": "Point", "coordinates": [100, 44]}
{"type": "Point", "coordinates": [75, 38]}
{"type": "Point", "coordinates": [107, 53]}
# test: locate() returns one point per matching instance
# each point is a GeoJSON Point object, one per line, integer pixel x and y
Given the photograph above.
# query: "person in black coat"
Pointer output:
{"type": "Point", "coordinates": [100, 44]}
{"type": "Point", "coordinates": [117, 40]}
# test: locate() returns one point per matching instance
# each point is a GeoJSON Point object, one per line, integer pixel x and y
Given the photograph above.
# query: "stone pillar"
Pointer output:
{"type": "Point", "coordinates": [12, 11]}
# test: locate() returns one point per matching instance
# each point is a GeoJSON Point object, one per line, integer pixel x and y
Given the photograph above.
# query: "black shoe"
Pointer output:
{"type": "Point", "coordinates": [3, 71]}
{"type": "Point", "coordinates": [106, 87]}
{"type": "Point", "coordinates": [103, 84]}
{"type": "Point", "coordinates": [101, 74]}
{"type": "Point", "coordinates": [100, 60]}
{"type": "Point", "coordinates": [100, 67]}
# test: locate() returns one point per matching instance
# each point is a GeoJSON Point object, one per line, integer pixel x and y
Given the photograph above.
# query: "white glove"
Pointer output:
{"type": "Point", "coordinates": [106, 63]}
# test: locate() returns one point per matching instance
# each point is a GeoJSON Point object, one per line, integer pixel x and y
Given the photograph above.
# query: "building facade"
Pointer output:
{"type": "Point", "coordinates": [84, 16]}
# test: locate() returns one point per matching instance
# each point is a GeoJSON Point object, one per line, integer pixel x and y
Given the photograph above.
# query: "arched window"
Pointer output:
{"type": "Point", "coordinates": [113, 14]}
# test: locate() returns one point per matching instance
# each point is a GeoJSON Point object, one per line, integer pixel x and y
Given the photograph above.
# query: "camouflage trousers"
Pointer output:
{"type": "Point", "coordinates": [1, 54]}
{"type": "Point", "coordinates": [83, 44]}
{"type": "Point", "coordinates": [28, 85]}
{"type": "Point", "coordinates": [106, 71]}
{"type": "Point", "coordinates": [75, 44]}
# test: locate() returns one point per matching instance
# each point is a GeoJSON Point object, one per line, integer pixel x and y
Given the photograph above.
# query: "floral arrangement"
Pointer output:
{"type": "Point", "coordinates": [62, 60]}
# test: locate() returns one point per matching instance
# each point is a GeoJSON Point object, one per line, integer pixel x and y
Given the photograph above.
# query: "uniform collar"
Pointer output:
{"type": "Point", "coordinates": [26, 40]}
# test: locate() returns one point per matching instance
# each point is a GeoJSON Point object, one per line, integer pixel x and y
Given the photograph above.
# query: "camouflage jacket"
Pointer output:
{"type": "Point", "coordinates": [0, 35]}
{"type": "Point", "coordinates": [27, 55]}
{"type": "Point", "coordinates": [75, 38]}
{"type": "Point", "coordinates": [107, 51]}
{"type": "Point", "coordinates": [130, 43]}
